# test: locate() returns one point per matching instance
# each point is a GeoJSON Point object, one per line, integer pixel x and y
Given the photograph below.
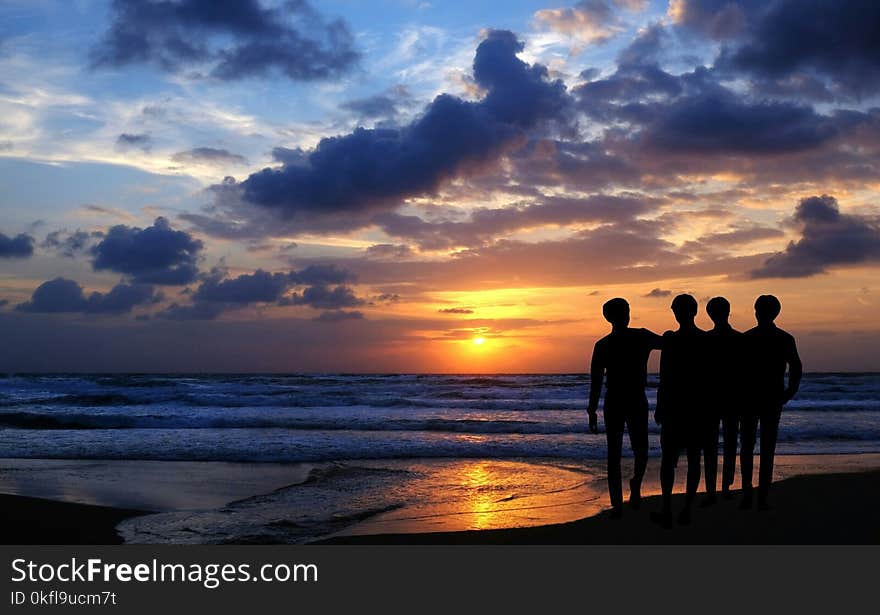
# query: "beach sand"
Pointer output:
{"type": "Point", "coordinates": [817, 509]}
{"type": "Point", "coordinates": [36, 521]}
{"type": "Point", "coordinates": [817, 499]}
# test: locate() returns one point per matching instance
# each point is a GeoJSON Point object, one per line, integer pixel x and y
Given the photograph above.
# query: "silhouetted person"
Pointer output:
{"type": "Point", "coordinates": [621, 359]}
{"type": "Point", "coordinates": [769, 350]}
{"type": "Point", "coordinates": [680, 399]}
{"type": "Point", "coordinates": [724, 398]}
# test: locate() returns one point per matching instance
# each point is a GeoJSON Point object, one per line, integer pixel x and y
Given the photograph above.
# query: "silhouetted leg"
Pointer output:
{"type": "Point", "coordinates": [614, 437]}
{"type": "Point", "coordinates": [769, 433]}
{"type": "Point", "coordinates": [694, 453]}
{"type": "Point", "coordinates": [670, 450]}
{"type": "Point", "coordinates": [730, 425]}
{"type": "Point", "coordinates": [637, 425]}
{"type": "Point", "coordinates": [748, 434]}
{"type": "Point", "coordinates": [710, 459]}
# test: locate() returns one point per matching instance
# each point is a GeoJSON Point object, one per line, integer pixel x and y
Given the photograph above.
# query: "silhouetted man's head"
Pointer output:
{"type": "Point", "coordinates": [718, 309]}
{"type": "Point", "coordinates": [767, 308]}
{"type": "Point", "coordinates": [616, 311]}
{"type": "Point", "coordinates": [685, 309]}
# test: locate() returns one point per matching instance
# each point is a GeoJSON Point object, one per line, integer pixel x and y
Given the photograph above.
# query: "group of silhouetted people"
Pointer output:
{"type": "Point", "coordinates": [712, 382]}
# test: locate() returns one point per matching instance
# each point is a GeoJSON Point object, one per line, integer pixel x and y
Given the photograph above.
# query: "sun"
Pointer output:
{"type": "Point", "coordinates": [479, 341]}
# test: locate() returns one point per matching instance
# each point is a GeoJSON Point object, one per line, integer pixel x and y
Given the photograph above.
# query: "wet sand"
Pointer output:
{"type": "Point", "coordinates": [811, 506]}
{"type": "Point", "coordinates": [819, 509]}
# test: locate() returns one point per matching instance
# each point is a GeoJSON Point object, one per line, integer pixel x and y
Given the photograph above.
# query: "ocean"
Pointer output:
{"type": "Point", "coordinates": [295, 418]}
{"type": "Point", "coordinates": [302, 457]}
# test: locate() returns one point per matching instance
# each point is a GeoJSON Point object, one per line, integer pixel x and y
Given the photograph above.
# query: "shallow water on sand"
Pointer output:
{"type": "Point", "coordinates": [209, 502]}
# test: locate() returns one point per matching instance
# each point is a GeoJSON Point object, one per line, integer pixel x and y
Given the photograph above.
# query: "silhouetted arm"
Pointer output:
{"type": "Point", "coordinates": [655, 342]}
{"type": "Point", "coordinates": [597, 376]}
{"type": "Point", "coordinates": [658, 411]}
{"type": "Point", "coordinates": [795, 373]}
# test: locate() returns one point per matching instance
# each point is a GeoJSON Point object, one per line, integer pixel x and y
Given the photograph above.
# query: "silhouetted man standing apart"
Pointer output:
{"type": "Point", "coordinates": [621, 358]}
{"type": "Point", "coordinates": [724, 388]}
{"type": "Point", "coordinates": [769, 351]}
{"type": "Point", "coordinates": [679, 403]}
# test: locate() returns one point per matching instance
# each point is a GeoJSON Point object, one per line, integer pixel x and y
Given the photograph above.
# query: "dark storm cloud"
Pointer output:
{"type": "Point", "coordinates": [347, 178]}
{"type": "Point", "coordinates": [386, 105]}
{"type": "Point", "coordinates": [726, 123]}
{"type": "Point", "coordinates": [325, 298]}
{"type": "Point", "coordinates": [288, 155]}
{"type": "Point", "coordinates": [260, 286]}
{"type": "Point", "coordinates": [154, 255]}
{"type": "Point", "coordinates": [828, 238]}
{"type": "Point", "coordinates": [793, 45]}
{"type": "Point", "coordinates": [717, 19]}
{"type": "Point", "coordinates": [62, 295]}
{"type": "Point", "coordinates": [235, 40]}
{"type": "Point", "coordinates": [20, 246]}
{"type": "Point", "coordinates": [694, 112]}
{"type": "Point", "coordinates": [209, 155]}
{"type": "Point", "coordinates": [218, 294]}
{"type": "Point", "coordinates": [70, 244]}
{"type": "Point", "coordinates": [838, 40]}
{"type": "Point", "coordinates": [484, 223]}
{"type": "Point", "coordinates": [322, 274]}
{"type": "Point", "coordinates": [140, 141]}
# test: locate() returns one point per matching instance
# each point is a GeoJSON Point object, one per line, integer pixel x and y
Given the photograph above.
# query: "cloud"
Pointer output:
{"type": "Point", "coordinates": [195, 311]}
{"type": "Point", "coordinates": [456, 311]}
{"type": "Point", "coordinates": [325, 298]}
{"type": "Point", "coordinates": [386, 105]}
{"type": "Point", "coordinates": [631, 251]}
{"type": "Point", "coordinates": [20, 246]}
{"type": "Point", "coordinates": [217, 294]}
{"type": "Point", "coordinates": [658, 293]}
{"type": "Point", "coordinates": [722, 122]}
{"type": "Point", "coordinates": [694, 113]}
{"type": "Point", "coordinates": [231, 40]}
{"type": "Point", "coordinates": [740, 235]}
{"type": "Point", "coordinates": [388, 251]}
{"type": "Point", "coordinates": [62, 295]}
{"type": "Point", "coordinates": [828, 238]}
{"type": "Point", "coordinates": [834, 40]}
{"type": "Point", "coordinates": [322, 274]}
{"type": "Point", "coordinates": [339, 315]}
{"type": "Point", "coordinates": [484, 224]}
{"type": "Point", "coordinates": [142, 142]}
{"type": "Point", "coordinates": [208, 155]}
{"type": "Point", "coordinates": [260, 286]}
{"type": "Point", "coordinates": [387, 298]}
{"type": "Point", "coordinates": [792, 45]}
{"type": "Point", "coordinates": [153, 255]}
{"type": "Point", "coordinates": [70, 244]}
{"type": "Point", "coordinates": [716, 19]}
{"type": "Point", "coordinates": [347, 179]}
{"type": "Point", "coordinates": [588, 21]}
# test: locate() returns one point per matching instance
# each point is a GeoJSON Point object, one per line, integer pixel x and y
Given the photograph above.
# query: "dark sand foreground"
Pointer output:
{"type": "Point", "coordinates": [817, 509]}
{"type": "Point", "coordinates": [814, 509]}
{"type": "Point", "coordinates": [35, 521]}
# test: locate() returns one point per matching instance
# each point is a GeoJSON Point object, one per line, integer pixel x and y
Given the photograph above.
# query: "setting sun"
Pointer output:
{"type": "Point", "coordinates": [479, 341]}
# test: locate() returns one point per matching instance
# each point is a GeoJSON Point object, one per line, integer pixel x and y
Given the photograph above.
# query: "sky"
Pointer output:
{"type": "Point", "coordinates": [423, 186]}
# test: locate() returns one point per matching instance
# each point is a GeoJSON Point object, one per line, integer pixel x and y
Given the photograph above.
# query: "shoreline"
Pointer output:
{"type": "Point", "coordinates": [817, 499]}
{"type": "Point", "coordinates": [806, 509]}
